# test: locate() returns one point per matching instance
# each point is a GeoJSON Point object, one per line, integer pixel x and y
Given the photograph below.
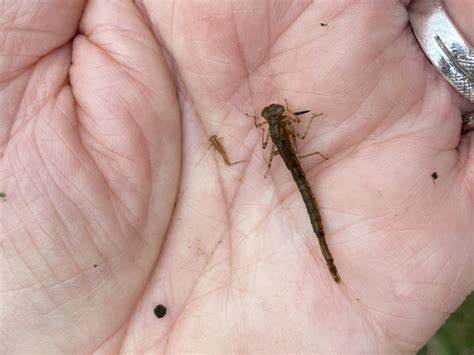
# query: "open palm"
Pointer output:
{"type": "Point", "coordinates": [114, 204]}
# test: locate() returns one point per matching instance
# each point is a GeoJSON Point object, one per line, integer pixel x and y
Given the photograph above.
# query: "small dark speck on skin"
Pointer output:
{"type": "Point", "coordinates": [2, 195]}
{"type": "Point", "coordinates": [95, 265]}
{"type": "Point", "coordinates": [434, 176]}
{"type": "Point", "coordinates": [160, 311]}
{"type": "Point", "coordinates": [358, 299]}
{"type": "Point", "coordinates": [324, 24]}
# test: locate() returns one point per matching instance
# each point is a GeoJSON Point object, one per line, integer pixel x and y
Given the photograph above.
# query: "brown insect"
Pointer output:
{"type": "Point", "coordinates": [216, 142]}
{"type": "Point", "coordinates": [283, 136]}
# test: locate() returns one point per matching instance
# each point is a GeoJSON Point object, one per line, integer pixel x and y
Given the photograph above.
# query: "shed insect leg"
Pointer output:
{"type": "Point", "coordinates": [222, 152]}
{"type": "Point", "coordinates": [216, 143]}
{"type": "Point", "coordinates": [213, 145]}
{"type": "Point", "coordinates": [274, 152]}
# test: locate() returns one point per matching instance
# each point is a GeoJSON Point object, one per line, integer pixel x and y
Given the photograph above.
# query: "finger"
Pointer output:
{"type": "Point", "coordinates": [28, 34]}
{"type": "Point", "coordinates": [127, 107]}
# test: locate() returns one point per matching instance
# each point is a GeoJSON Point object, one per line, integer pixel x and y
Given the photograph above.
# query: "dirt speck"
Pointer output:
{"type": "Point", "coordinates": [160, 311]}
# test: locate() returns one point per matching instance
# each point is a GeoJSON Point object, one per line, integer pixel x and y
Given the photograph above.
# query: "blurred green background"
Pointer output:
{"type": "Point", "coordinates": [456, 336]}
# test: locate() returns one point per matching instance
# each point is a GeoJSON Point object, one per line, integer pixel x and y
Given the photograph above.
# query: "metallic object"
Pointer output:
{"type": "Point", "coordinates": [468, 122]}
{"type": "Point", "coordinates": [444, 45]}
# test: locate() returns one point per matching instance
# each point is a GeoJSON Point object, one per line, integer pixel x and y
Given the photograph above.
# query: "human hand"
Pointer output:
{"type": "Point", "coordinates": [114, 204]}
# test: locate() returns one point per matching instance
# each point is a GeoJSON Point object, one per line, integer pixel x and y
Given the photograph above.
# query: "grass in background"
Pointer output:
{"type": "Point", "coordinates": [456, 336]}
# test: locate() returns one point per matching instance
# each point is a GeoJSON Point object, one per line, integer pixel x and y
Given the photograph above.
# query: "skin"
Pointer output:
{"type": "Point", "coordinates": [106, 113]}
